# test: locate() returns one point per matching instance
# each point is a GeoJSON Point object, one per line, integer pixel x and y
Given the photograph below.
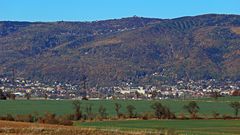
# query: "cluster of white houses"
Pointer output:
{"type": "Point", "coordinates": [68, 91]}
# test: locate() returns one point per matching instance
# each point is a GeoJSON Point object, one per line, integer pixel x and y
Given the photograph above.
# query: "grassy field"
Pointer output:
{"type": "Point", "coordinates": [207, 106]}
{"type": "Point", "coordinates": [190, 127]}
{"type": "Point", "coordinates": [186, 127]}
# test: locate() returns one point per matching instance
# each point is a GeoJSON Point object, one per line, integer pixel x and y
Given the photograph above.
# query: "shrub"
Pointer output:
{"type": "Point", "coordinates": [66, 122]}
{"type": "Point", "coordinates": [24, 118]}
{"type": "Point", "coordinates": [204, 116]}
{"type": "Point", "coordinates": [226, 116]}
{"type": "Point", "coordinates": [35, 116]}
{"type": "Point", "coordinates": [2, 118]}
{"type": "Point", "coordinates": [9, 117]}
{"type": "Point", "coordinates": [68, 116]}
{"type": "Point", "coordinates": [62, 120]}
{"type": "Point", "coordinates": [49, 118]}
{"type": "Point", "coordinates": [215, 115]}
{"type": "Point", "coordinates": [182, 116]}
{"type": "Point", "coordinates": [147, 115]}
{"type": "Point", "coordinates": [40, 120]}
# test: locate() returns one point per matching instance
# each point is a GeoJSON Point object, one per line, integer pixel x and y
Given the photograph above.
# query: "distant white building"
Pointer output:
{"type": "Point", "coordinates": [128, 90]}
{"type": "Point", "coordinates": [19, 94]}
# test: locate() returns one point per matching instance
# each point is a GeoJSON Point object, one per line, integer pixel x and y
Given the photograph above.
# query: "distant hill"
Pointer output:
{"type": "Point", "coordinates": [113, 52]}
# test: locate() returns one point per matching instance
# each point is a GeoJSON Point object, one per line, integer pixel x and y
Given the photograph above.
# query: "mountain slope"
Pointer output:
{"type": "Point", "coordinates": [113, 52]}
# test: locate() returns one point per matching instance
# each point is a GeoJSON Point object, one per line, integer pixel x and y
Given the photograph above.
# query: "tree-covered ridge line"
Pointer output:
{"type": "Point", "coordinates": [131, 50]}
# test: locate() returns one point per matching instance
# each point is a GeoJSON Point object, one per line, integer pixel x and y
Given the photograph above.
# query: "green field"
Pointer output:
{"type": "Point", "coordinates": [186, 127]}
{"type": "Point", "coordinates": [189, 127]}
{"type": "Point", "coordinates": [207, 106]}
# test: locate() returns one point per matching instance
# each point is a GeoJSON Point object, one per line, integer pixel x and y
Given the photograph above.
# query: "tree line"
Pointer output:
{"type": "Point", "coordinates": [159, 111]}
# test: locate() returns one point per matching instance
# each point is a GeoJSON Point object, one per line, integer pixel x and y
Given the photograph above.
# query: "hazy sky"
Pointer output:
{"type": "Point", "coordinates": [89, 10]}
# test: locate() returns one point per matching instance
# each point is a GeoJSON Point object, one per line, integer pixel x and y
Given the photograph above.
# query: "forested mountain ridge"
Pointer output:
{"type": "Point", "coordinates": [113, 52]}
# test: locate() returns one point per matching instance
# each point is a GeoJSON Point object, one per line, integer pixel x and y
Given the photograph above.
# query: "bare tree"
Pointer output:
{"type": "Point", "coordinates": [192, 108]}
{"type": "Point", "coordinates": [77, 108]}
{"type": "Point", "coordinates": [162, 111]}
{"type": "Point", "coordinates": [158, 109]}
{"type": "Point", "coordinates": [89, 112]}
{"type": "Point", "coordinates": [102, 111]}
{"type": "Point", "coordinates": [117, 109]}
{"type": "Point", "coordinates": [130, 110]}
{"type": "Point", "coordinates": [236, 107]}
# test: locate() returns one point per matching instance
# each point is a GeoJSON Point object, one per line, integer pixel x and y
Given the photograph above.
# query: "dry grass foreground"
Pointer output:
{"type": "Point", "coordinates": [21, 128]}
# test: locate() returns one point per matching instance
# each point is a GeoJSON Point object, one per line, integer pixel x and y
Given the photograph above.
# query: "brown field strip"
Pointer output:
{"type": "Point", "coordinates": [21, 128]}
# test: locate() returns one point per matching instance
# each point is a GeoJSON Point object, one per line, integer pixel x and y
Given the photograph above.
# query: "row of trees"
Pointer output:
{"type": "Point", "coordinates": [86, 113]}
{"type": "Point", "coordinates": [159, 111]}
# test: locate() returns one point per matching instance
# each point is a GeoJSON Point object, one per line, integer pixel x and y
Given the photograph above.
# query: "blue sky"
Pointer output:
{"type": "Point", "coordinates": [89, 10]}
